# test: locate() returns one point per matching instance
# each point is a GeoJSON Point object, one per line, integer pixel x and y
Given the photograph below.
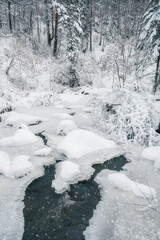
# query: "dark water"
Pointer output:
{"type": "Point", "coordinates": [62, 216]}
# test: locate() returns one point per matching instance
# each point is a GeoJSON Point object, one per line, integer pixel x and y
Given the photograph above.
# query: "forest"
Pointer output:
{"type": "Point", "coordinates": [79, 119]}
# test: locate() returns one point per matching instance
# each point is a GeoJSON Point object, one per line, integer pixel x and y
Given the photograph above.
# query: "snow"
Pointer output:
{"type": "Point", "coordinates": [66, 126]}
{"type": "Point", "coordinates": [123, 214]}
{"type": "Point", "coordinates": [4, 163]}
{"type": "Point", "coordinates": [67, 172]}
{"type": "Point", "coordinates": [122, 182]}
{"type": "Point", "coordinates": [153, 154]}
{"type": "Point", "coordinates": [144, 191]}
{"type": "Point", "coordinates": [20, 166]}
{"type": "Point", "coordinates": [43, 152]}
{"type": "Point", "coordinates": [128, 116]}
{"type": "Point", "coordinates": [62, 116]}
{"type": "Point", "coordinates": [15, 118]}
{"type": "Point", "coordinates": [71, 98]}
{"type": "Point", "coordinates": [21, 137]}
{"type": "Point", "coordinates": [80, 142]}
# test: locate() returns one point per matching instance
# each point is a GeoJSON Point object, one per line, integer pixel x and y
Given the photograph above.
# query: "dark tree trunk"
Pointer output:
{"type": "Point", "coordinates": [91, 15]}
{"type": "Point", "coordinates": [37, 18]}
{"type": "Point", "coordinates": [56, 35]}
{"type": "Point", "coordinates": [49, 39]}
{"type": "Point", "coordinates": [31, 22]}
{"type": "Point", "coordinates": [9, 16]}
{"type": "Point", "coordinates": [157, 74]}
{"type": "Point", "coordinates": [52, 22]}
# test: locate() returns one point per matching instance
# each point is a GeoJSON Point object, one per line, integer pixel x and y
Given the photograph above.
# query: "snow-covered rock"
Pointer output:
{"type": "Point", "coordinates": [144, 191]}
{"type": "Point", "coordinates": [153, 154]}
{"type": "Point", "coordinates": [20, 166]}
{"type": "Point", "coordinates": [80, 142]}
{"type": "Point", "coordinates": [43, 152]}
{"type": "Point", "coordinates": [21, 137]}
{"type": "Point", "coordinates": [122, 182]}
{"type": "Point", "coordinates": [15, 118]}
{"type": "Point", "coordinates": [62, 116]}
{"type": "Point", "coordinates": [66, 126]}
{"type": "Point", "coordinates": [67, 173]}
{"type": "Point", "coordinates": [4, 163]}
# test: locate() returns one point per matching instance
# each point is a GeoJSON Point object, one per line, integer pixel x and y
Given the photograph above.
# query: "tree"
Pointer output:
{"type": "Point", "coordinates": [74, 31]}
{"type": "Point", "coordinates": [150, 39]}
{"type": "Point", "coordinates": [9, 15]}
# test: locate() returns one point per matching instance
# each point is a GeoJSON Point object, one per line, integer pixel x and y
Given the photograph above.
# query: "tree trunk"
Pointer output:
{"type": "Point", "coordinates": [56, 35]}
{"type": "Point", "coordinates": [91, 15]}
{"type": "Point", "coordinates": [157, 74]}
{"type": "Point", "coordinates": [52, 22]}
{"type": "Point", "coordinates": [9, 16]}
{"type": "Point", "coordinates": [49, 39]}
{"type": "Point", "coordinates": [37, 18]}
{"type": "Point", "coordinates": [31, 22]}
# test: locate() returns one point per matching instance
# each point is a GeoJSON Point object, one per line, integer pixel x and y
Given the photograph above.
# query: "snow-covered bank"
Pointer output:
{"type": "Point", "coordinates": [121, 214]}
{"type": "Point", "coordinates": [128, 116]}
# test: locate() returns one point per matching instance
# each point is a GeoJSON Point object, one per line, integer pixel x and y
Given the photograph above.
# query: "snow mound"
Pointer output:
{"type": "Point", "coordinates": [4, 163]}
{"type": "Point", "coordinates": [80, 142]}
{"type": "Point", "coordinates": [122, 182]}
{"type": "Point", "coordinates": [65, 126]}
{"type": "Point", "coordinates": [67, 173]}
{"type": "Point", "coordinates": [21, 137]}
{"type": "Point", "coordinates": [43, 152]}
{"type": "Point", "coordinates": [62, 116]}
{"type": "Point", "coordinates": [153, 154]}
{"type": "Point", "coordinates": [21, 166]}
{"type": "Point", "coordinates": [18, 167]}
{"type": "Point", "coordinates": [15, 118]}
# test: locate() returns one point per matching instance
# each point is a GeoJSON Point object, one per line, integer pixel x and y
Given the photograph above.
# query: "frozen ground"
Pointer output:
{"type": "Point", "coordinates": [120, 214]}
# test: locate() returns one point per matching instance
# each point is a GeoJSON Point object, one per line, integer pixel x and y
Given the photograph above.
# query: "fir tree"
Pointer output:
{"type": "Point", "coordinates": [74, 31]}
{"type": "Point", "coordinates": [150, 39]}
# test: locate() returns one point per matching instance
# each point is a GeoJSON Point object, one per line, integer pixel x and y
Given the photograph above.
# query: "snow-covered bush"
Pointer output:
{"type": "Point", "coordinates": [5, 102]}
{"type": "Point", "coordinates": [42, 98]}
{"type": "Point", "coordinates": [128, 116]}
{"type": "Point", "coordinates": [12, 99]}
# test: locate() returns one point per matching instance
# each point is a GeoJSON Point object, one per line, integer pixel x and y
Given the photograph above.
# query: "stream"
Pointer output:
{"type": "Point", "coordinates": [49, 215]}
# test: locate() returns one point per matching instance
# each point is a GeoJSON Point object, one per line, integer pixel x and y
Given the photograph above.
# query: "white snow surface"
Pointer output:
{"type": "Point", "coordinates": [4, 163]}
{"type": "Point", "coordinates": [62, 116]}
{"type": "Point", "coordinates": [43, 152]}
{"type": "Point", "coordinates": [15, 168]}
{"type": "Point", "coordinates": [123, 214]}
{"type": "Point", "coordinates": [67, 173]}
{"type": "Point", "coordinates": [122, 182]}
{"type": "Point", "coordinates": [153, 154]}
{"type": "Point", "coordinates": [20, 166]}
{"type": "Point", "coordinates": [15, 118]}
{"type": "Point", "coordinates": [66, 126]}
{"type": "Point", "coordinates": [81, 142]}
{"type": "Point", "coordinates": [21, 137]}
